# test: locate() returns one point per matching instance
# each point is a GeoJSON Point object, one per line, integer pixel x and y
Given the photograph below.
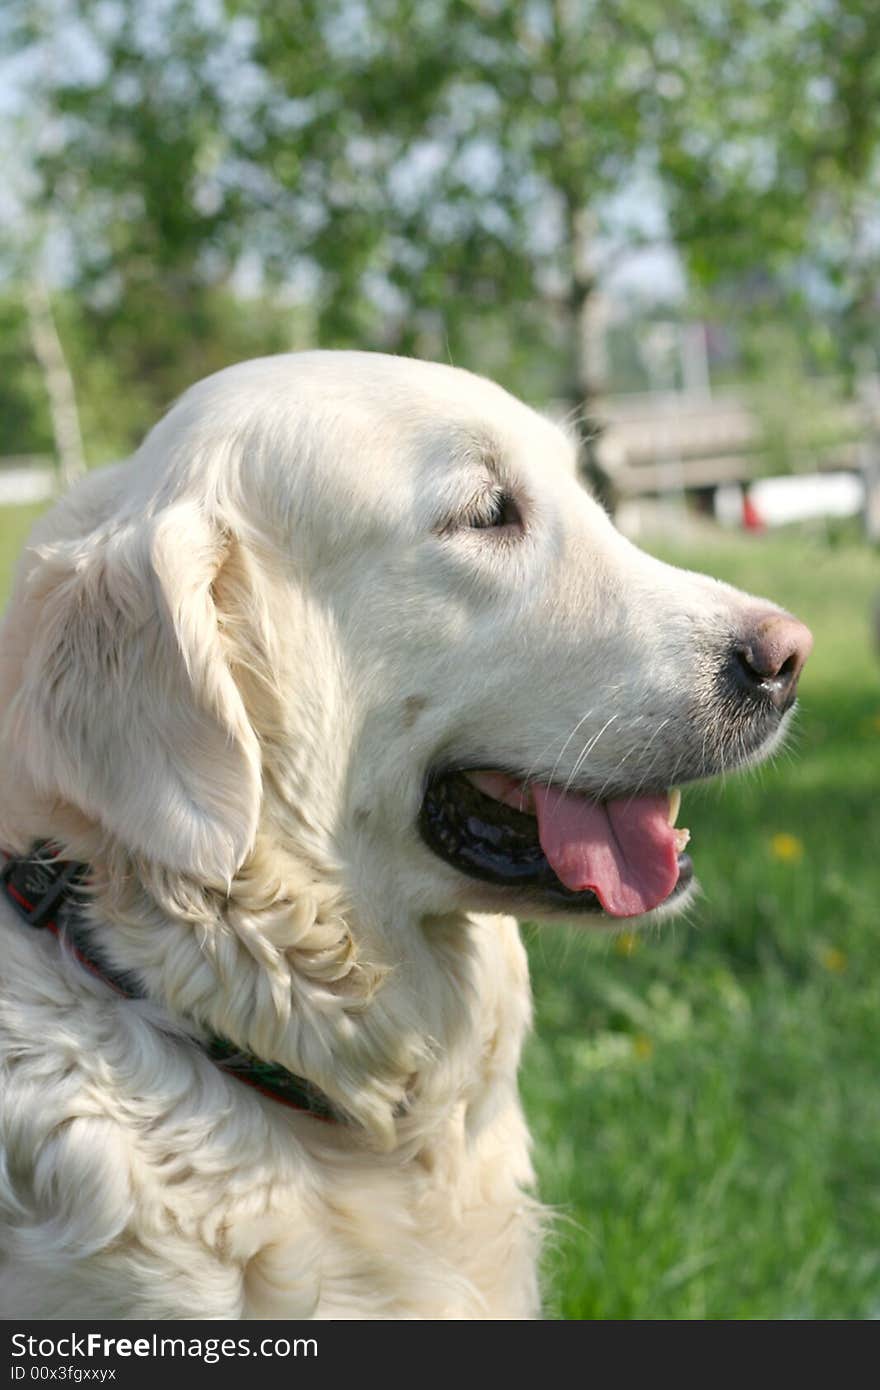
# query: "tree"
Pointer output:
{"type": "Point", "coordinates": [448, 177]}
{"type": "Point", "coordinates": [144, 212]}
{"type": "Point", "coordinates": [768, 154]}
{"type": "Point", "coordinates": [28, 254]}
{"type": "Point", "coordinates": [444, 167]}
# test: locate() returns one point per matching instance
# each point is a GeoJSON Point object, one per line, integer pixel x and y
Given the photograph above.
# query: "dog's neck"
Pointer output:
{"type": "Point", "coordinates": [49, 894]}
{"type": "Point", "coordinates": [281, 967]}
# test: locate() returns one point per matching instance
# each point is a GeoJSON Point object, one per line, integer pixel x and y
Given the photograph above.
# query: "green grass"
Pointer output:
{"type": "Point", "coordinates": [706, 1097]}
{"type": "Point", "coordinates": [15, 526]}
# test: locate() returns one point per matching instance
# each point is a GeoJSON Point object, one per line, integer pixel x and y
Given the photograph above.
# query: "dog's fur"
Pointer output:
{"type": "Point", "coordinates": [227, 668]}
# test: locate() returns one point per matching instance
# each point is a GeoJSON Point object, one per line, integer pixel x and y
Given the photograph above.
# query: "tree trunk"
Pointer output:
{"type": "Point", "coordinates": [70, 458]}
{"type": "Point", "coordinates": [585, 311]}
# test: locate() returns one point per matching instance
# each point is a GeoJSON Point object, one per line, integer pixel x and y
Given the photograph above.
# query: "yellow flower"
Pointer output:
{"type": "Point", "coordinates": [786, 847]}
{"type": "Point", "coordinates": [832, 959]}
{"type": "Point", "coordinates": [626, 944]}
{"type": "Point", "coordinates": [643, 1047]}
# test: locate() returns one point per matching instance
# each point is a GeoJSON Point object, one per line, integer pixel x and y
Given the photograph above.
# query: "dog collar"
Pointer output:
{"type": "Point", "coordinates": [43, 891]}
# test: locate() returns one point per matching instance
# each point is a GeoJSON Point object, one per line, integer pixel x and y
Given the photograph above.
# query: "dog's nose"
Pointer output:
{"type": "Point", "coordinates": [770, 656]}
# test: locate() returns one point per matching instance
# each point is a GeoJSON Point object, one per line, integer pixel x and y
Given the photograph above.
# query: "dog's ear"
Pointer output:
{"type": "Point", "coordinates": [126, 706]}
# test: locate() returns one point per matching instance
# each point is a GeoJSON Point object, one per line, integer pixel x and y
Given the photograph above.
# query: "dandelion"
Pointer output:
{"type": "Point", "coordinates": [788, 848]}
{"type": "Point", "coordinates": [643, 1047]}
{"type": "Point", "coordinates": [626, 944]}
{"type": "Point", "coordinates": [833, 960]}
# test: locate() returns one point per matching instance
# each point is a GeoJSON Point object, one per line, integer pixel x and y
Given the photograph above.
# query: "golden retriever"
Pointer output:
{"type": "Point", "coordinates": [339, 670]}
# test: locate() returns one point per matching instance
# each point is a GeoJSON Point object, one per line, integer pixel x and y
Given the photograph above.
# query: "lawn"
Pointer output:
{"type": "Point", "coordinates": [706, 1097]}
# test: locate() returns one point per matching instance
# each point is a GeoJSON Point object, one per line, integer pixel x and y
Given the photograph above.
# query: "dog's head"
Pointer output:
{"type": "Point", "coordinates": [360, 606]}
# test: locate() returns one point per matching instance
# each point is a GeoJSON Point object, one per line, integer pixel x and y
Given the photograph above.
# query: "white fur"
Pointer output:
{"type": "Point", "coordinates": [227, 667]}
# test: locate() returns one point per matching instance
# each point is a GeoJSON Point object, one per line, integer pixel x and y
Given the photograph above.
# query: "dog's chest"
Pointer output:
{"type": "Point", "coordinates": [177, 1193]}
{"type": "Point", "coordinates": [449, 1234]}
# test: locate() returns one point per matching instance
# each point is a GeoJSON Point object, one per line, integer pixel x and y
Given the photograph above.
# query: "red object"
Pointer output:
{"type": "Point", "coordinates": [752, 519]}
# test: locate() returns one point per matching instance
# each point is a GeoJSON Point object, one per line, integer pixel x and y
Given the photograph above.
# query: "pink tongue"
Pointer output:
{"type": "Point", "coordinates": [623, 850]}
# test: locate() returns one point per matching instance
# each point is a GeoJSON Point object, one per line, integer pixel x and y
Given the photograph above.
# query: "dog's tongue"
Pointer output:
{"type": "Point", "coordinates": [623, 850]}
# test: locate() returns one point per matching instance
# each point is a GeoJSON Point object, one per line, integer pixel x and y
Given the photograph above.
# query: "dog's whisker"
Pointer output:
{"type": "Point", "coordinates": [638, 750]}
{"type": "Point", "coordinates": [565, 745]}
{"type": "Point", "coordinates": [586, 751]}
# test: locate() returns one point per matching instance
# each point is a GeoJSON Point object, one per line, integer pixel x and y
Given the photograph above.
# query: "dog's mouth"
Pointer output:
{"type": "Point", "coordinates": [622, 856]}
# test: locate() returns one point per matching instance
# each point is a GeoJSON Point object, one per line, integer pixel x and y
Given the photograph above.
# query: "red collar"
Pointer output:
{"type": "Point", "coordinates": [43, 890]}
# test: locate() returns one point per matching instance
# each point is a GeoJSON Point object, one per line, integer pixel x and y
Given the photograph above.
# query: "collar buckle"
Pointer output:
{"type": "Point", "coordinates": [40, 882]}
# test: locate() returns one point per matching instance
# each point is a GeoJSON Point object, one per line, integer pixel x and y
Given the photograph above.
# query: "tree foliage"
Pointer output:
{"type": "Point", "coordinates": [453, 178]}
{"type": "Point", "coordinates": [769, 149]}
{"type": "Point", "coordinates": [143, 212]}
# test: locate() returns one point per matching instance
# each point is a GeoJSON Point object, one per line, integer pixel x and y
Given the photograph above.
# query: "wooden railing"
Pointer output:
{"type": "Point", "coordinates": [654, 444]}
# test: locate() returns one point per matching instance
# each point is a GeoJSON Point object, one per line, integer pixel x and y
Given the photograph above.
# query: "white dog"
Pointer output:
{"type": "Point", "coordinates": [342, 657]}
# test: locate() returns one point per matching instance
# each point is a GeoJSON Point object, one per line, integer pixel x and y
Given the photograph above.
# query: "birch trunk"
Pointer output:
{"type": "Point", "coordinates": [49, 352]}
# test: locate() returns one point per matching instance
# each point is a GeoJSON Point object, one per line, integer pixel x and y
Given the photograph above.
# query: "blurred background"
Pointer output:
{"type": "Point", "coordinates": [658, 219]}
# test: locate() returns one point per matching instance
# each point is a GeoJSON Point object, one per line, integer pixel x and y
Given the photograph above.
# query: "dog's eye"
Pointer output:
{"type": "Point", "coordinates": [498, 510]}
